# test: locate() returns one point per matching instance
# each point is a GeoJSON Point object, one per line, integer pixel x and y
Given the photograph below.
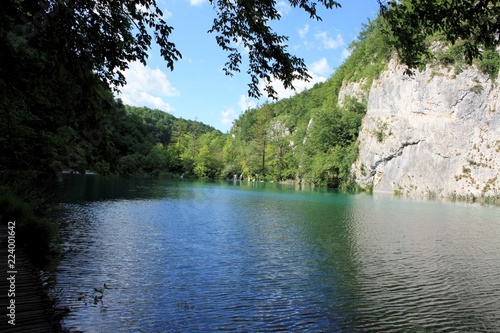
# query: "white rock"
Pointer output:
{"type": "Point", "coordinates": [435, 133]}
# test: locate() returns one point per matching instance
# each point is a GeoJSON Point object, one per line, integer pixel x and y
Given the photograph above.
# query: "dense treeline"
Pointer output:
{"type": "Point", "coordinates": [267, 142]}
{"type": "Point", "coordinates": [153, 142]}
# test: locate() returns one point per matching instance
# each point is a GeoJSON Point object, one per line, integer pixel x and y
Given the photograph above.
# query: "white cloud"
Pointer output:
{"type": "Point", "coordinates": [246, 103]}
{"type": "Point", "coordinates": [148, 100]}
{"type": "Point", "coordinates": [321, 67]}
{"type": "Point", "coordinates": [166, 14]}
{"type": "Point", "coordinates": [329, 43]}
{"type": "Point", "coordinates": [228, 116]}
{"type": "Point", "coordinates": [147, 87]}
{"type": "Point", "coordinates": [283, 7]}
{"type": "Point", "coordinates": [300, 86]}
{"type": "Point", "coordinates": [163, 4]}
{"type": "Point", "coordinates": [196, 2]}
{"type": "Point", "coordinates": [303, 31]}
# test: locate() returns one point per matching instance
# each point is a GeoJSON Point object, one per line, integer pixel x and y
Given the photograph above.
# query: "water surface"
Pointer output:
{"type": "Point", "coordinates": [149, 255]}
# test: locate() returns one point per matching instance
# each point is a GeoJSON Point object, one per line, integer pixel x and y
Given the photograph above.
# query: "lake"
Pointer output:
{"type": "Point", "coordinates": [151, 255]}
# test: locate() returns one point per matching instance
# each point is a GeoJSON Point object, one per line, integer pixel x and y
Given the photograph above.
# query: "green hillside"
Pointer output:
{"type": "Point", "coordinates": [309, 137]}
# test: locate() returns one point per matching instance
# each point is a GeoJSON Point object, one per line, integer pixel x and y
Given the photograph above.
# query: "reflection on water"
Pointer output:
{"type": "Point", "coordinates": [149, 255]}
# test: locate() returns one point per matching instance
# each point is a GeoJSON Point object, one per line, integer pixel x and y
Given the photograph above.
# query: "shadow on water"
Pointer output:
{"type": "Point", "coordinates": [88, 188]}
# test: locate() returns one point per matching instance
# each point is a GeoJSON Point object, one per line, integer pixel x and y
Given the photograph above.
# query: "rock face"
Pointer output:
{"type": "Point", "coordinates": [436, 133]}
{"type": "Point", "coordinates": [353, 90]}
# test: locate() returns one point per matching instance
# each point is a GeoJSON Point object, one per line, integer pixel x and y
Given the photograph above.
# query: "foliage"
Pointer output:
{"type": "Point", "coordinates": [164, 127]}
{"type": "Point", "coordinates": [47, 115]}
{"type": "Point", "coordinates": [103, 35]}
{"type": "Point", "coordinates": [248, 23]}
{"type": "Point", "coordinates": [369, 54]}
{"type": "Point", "coordinates": [306, 137]}
{"type": "Point", "coordinates": [332, 168]}
{"type": "Point", "coordinates": [472, 23]}
{"type": "Point", "coordinates": [380, 132]}
{"type": "Point", "coordinates": [331, 147]}
{"type": "Point", "coordinates": [33, 232]}
{"type": "Point", "coordinates": [304, 140]}
{"type": "Point", "coordinates": [334, 127]}
{"type": "Point", "coordinates": [60, 60]}
{"type": "Point", "coordinates": [153, 142]}
{"type": "Point", "coordinates": [58, 113]}
{"type": "Point", "coordinates": [490, 63]}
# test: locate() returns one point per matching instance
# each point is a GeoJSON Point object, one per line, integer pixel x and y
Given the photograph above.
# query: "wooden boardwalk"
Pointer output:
{"type": "Point", "coordinates": [33, 312]}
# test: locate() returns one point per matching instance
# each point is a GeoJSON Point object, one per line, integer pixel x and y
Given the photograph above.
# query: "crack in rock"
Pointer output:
{"type": "Point", "coordinates": [392, 156]}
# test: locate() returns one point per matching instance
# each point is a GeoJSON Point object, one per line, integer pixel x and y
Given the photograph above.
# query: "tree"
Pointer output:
{"type": "Point", "coordinates": [247, 22]}
{"type": "Point", "coordinates": [104, 35]}
{"type": "Point", "coordinates": [261, 134]}
{"type": "Point", "coordinates": [208, 161]}
{"type": "Point", "coordinates": [279, 150]}
{"type": "Point", "coordinates": [475, 23]}
{"type": "Point", "coordinates": [52, 105]}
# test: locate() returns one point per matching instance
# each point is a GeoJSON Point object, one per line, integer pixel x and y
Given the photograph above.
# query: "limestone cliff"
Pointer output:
{"type": "Point", "coordinates": [436, 133]}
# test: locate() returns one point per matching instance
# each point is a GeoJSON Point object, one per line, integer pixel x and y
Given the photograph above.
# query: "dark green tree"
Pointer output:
{"type": "Point", "coordinates": [248, 22]}
{"type": "Point", "coordinates": [475, 23]}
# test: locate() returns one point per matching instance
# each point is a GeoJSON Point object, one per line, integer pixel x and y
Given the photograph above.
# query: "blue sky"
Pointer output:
{"type": "Point", "coordinates": [198, 88]}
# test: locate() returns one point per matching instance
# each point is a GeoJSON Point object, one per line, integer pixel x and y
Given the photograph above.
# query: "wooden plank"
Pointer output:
{"type": "Point", "coordinates": [33, 312]}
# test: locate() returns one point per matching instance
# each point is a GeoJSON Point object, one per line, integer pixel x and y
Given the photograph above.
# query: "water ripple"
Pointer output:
{"type": "Point", "coordinates": [217, 259]}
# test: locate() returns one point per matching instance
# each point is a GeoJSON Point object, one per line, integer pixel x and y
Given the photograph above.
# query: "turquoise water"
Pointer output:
{"type": "Point", "coordinates": [149, 255]}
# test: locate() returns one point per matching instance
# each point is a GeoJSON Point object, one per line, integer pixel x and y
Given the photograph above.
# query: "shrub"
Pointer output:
{"type": "Point", "coordinates": [490, 63]}
{"type": "Point", "coordinates": [34, 233]}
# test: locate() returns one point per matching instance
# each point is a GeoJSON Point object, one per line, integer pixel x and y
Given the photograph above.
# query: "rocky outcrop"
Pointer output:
{"type": "Point", "coordinates": [436, 133]}
{"type": "Point", "coordinates": [356, 90]}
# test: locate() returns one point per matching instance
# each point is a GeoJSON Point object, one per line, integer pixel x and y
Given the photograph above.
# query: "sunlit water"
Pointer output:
{"type": "Point", "coordinates": [148, 255]}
